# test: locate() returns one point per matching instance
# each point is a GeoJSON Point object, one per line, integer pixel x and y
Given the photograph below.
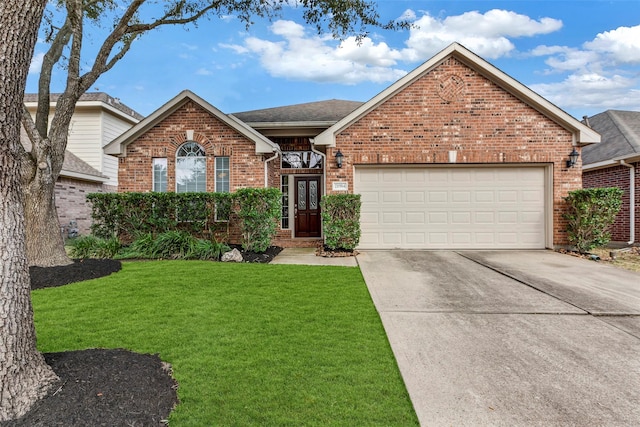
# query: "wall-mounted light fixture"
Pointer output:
{"type": "Point", "coordinates": [339, 157]}
{"type": "Point", "coordinates": [573, 158]}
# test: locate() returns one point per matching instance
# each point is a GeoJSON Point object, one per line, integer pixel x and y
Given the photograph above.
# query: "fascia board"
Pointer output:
{"type": "Point", "coordinates": [630, 158]}
{"type": "Point", "coordinates": [583, 134]}
{"type": "Point", "coordinates": [82, 176]}
{"type": "Point", "coordinates": [117, 146]}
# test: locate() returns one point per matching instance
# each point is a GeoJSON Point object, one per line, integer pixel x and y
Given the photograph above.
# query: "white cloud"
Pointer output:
{"type": "Point", "coordinates": [621, 44]}
{"type": "Point", "coordinates": [304, 56]}
{"type": "Point", "coordinates": [592, 92]}
{"type": "Point", "coordinates": [486, 34]}
{"type": "Point", "coordinates": [203, 72]}
{"type": "Point", "coordinates": [319, 58]}
{"type": "Point", "coordinates": [36, 63]}
{"type": "Point", "coordinates": [598, 75]}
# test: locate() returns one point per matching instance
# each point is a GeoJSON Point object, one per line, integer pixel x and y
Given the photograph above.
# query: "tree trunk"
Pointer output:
{"type": "Point", "coordinates": [24, 375]}
{"type": "Point", "coordinates": [45, 245]}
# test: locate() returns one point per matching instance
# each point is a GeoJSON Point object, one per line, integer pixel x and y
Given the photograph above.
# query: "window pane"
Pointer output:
{"type": "Point", "coordinates": [191, 169]}
{"type": "Point", "coordinates": [160, 175]}
{"type": "Point", "coordinates": [222, 175]}
{"type": "Point", "coordinates": [302, 195]}
{"type": "Point", "coordinates": [301, 160]}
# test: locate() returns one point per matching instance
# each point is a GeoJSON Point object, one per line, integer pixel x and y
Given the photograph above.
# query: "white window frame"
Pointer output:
{"type": "Point", "coordinates": [192, 154]}
{"type": "Point", "coordinates": [159, 161]}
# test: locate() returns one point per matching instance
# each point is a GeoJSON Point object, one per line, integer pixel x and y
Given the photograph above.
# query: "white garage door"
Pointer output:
{"type": "Point", "coordinates": [451, 208]}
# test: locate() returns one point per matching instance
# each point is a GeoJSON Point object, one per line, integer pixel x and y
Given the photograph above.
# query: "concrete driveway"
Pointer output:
{"type": "Point", "coordinates": [511, 337]}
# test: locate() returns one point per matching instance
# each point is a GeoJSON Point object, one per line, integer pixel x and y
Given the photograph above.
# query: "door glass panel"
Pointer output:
{"type": "Point", "coordinates": [302, 196]}
{"type": "Point", "coordinates": [313, 195]}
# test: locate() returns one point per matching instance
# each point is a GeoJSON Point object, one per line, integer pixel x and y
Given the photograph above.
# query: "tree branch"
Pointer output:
{"type": "Point", "coordinates": [50, 59]}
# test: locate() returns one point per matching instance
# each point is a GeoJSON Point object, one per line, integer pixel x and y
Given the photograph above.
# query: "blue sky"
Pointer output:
{"type": "Point", "coordinates": [584, 56]}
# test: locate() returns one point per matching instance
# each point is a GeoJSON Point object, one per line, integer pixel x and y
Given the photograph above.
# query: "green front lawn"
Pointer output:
{"type": "Point", "coordinates": [250, 344]}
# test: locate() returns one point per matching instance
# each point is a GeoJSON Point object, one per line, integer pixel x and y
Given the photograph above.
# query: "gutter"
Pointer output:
{"type": "Point", "coordinates": [266, 169]}
{"type": "Point", "coordinates": [632, 201]}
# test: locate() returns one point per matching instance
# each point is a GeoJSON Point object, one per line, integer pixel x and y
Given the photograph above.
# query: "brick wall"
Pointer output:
{"type": "Point", "coordinates": [477, 119]}
{"type": "Point", "coordinates": [71, 202]}
{"type": "Point", "coordinates": [164, 139]}
{"type": "Point", "coordinates": [618, 176]}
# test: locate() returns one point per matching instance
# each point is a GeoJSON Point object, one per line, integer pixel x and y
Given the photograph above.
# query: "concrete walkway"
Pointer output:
{"type": "Point", "coordinates": [307, 256]}
{"type": "Point", "coordinates": [513, 338]}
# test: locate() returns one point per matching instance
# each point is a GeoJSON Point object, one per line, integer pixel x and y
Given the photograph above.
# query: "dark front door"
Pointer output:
{"type": "Point", "coordinates": [307, 206]}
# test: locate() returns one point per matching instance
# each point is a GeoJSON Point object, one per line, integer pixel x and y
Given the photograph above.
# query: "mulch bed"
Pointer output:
{"type": "Point", "coordinates": [100, 387]}
{"type": "Point", "coordinates": [84, 269]}
{"type": "Point", "coordinates": [105, 387]}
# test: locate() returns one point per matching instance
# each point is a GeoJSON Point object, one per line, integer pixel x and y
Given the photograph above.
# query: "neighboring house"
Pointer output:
{"type": "Point", "coordinates": [455, 155]}
{"type": "Point", "coordinates": [615, 163]}
{"type": "Point", "coordinates": [97, 120]}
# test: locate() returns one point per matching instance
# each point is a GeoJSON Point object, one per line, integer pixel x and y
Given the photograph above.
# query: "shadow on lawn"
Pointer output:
{"type": "Point", "coordinates": [105, 387]}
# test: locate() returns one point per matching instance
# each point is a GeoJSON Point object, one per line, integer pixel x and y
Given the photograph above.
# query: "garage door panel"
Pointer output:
{"type": "Point", "coordinates": [449, 208]}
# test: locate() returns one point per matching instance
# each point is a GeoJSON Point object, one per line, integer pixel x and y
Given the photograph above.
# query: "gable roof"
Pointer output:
{"type": "Point", "coordinates": [118, 145]}
{"type": "Point", "coordinates": [91, 99]}
{"type": "Point", "coordinates": [310, 114]}
{"type": "Point", "coordinates": [582, 133]}
{"type": "Point", "coordinates": [72, 166]}
{"type": "Point", "coordinates": [620, 132]}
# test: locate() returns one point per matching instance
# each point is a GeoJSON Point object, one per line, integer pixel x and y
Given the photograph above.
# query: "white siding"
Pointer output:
{"type": "Point", "coordinates": [84, 137]}
{"type": "Point", "coordinates": [112, 127]}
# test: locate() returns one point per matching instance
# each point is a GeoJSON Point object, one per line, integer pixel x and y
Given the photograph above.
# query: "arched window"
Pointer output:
{"type": "Point", "coordinates": [191, 168]}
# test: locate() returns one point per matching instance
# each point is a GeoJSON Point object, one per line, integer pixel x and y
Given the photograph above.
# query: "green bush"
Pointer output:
{"type": "Point", "coordinates": [130, 215]}
{"type": "Point", "coordinates": [173, 245]}
{"type": "Point", "coordinates": [207, 249]}
{"type": "Point", "coordinates": [259, 211]}
{"type": "Point", "coordinates": [94, 247]}
{"type": "Point", "coordinates": [176, 244]}
{"type": "Point", "coordinates": [341, 220]}
{"type": "Point", "coordinates": [590, 214]}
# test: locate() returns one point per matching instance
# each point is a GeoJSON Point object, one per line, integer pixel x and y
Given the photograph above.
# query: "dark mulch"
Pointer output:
{"type": "Point", "coordinates": [266, 257]}
{"type": "Point", "coordinates": [84, 269]}
{"type": "Point", "coordinates": [101, 387]}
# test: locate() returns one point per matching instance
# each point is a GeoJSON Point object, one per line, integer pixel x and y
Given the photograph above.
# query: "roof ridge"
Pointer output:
{"type": "Point", "coordinates": [630, 136]}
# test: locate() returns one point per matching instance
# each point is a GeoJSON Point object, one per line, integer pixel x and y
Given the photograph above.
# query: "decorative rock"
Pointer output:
{"type": "Point", "coordinates": [232, 256]}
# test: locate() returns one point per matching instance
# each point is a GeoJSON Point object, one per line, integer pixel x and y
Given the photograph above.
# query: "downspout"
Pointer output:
{"type": "Point", "coordinates": [632, 201]}
{"type": "Point", "coordinates": [266, 169]}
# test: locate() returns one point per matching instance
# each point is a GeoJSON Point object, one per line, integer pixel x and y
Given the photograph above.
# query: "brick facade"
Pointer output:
{"type": "Point", "coordinates": [477, 119]}
{"type": "Point", "coordinates": [164, 139]}
{"type": "Point", "coordinates": [618, 176]}
{"type": "Point", "coordinates": [72, 205]}
{"type": "Point", "coordinates": [449, 108]}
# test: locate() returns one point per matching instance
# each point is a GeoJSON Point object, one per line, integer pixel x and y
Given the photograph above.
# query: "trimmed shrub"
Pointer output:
{"type": "Point", "coordinates": [259, 211]}
{"type": "Point", "coordinates": [341, 220]}
{"type": "Point", "coordinates": [173, 245]}
{"type": "Point", "coordinates": [94, 247]}
{"type": "Point", "coordinates": [590, 214]}
{"type": "Point", "coordinates": [131, 215]}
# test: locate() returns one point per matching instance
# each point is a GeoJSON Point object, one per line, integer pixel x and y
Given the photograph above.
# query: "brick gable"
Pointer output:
{"type": "Point", "coordinates": [453, 108]}
{"type": "Point", "coordinates": [190, 122]}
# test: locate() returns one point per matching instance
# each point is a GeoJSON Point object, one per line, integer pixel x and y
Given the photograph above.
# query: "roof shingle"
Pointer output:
{"type": "Point", "coordinates": [319, 111]}
{"type": "Point", "coordinates": [620, 131]}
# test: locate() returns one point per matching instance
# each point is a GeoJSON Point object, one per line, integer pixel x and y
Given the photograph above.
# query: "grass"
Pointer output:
{"type": "Point", "coordinates": [250, 344]}
{"type": "Point", "coordinates": [625, 259]}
